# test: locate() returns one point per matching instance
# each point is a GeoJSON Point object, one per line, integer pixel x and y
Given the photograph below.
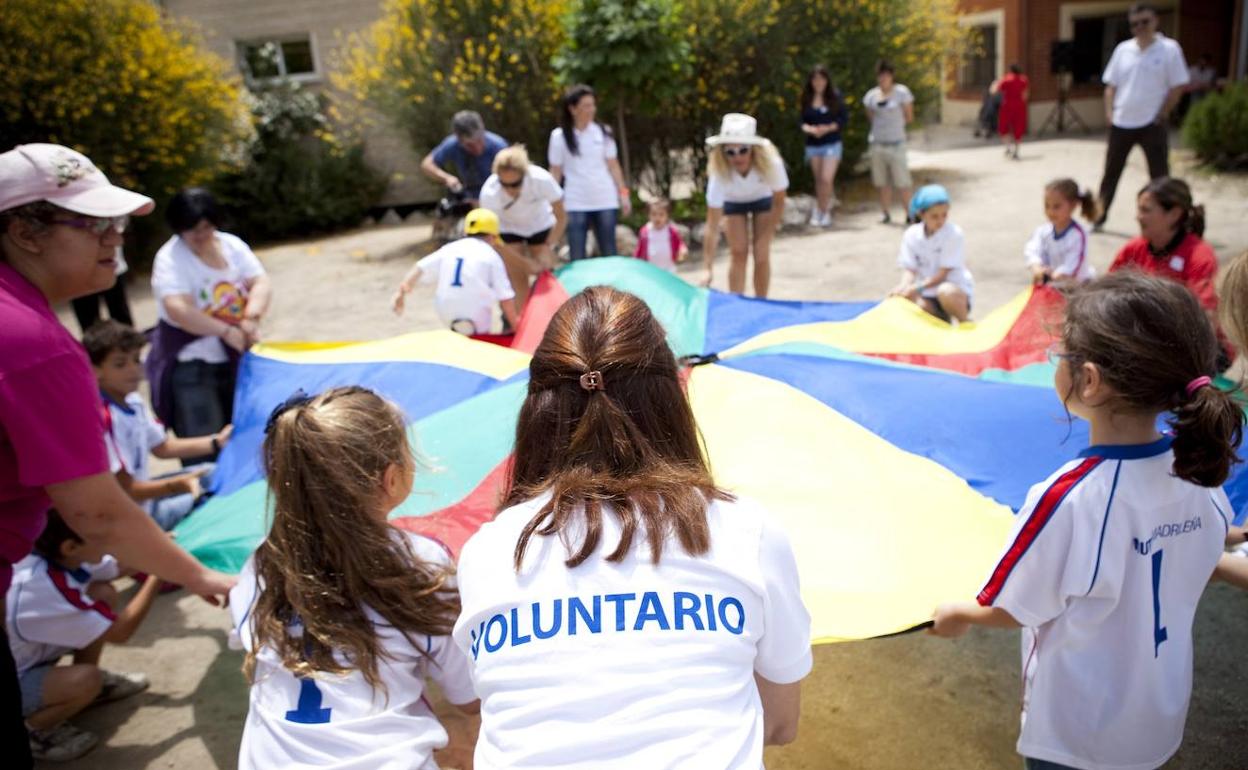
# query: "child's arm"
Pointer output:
{"type": "Point", "coordinates": [1232, 569]}
{"type": "Point", "coordinates": [176, 447]}
{"type": "Point", "coordinates": [128, 620]}
{"type": "Point", "coordinates": [405, 288]}
{"type": "Point", "coordinates": [182, 484]}
{"type": "Point", "coordinates": [1236, 536]}
{"type": "Point", "coordinates": [953, 620]}
{"type": "Point", "coordinates": [907, 286]}
{"type": "Point", "coordinates": [934, 281]}
{"type": "Point", "coordinates": [509, 312]}
{"type": "Point", "coordinates": [782, 707]}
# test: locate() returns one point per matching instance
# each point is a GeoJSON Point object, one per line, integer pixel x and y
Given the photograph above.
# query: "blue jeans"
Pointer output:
{"type": "Point", "coordinates": [203, 400]}
{"type": "Point", "coordinates": [168, 511]}
{"type": "Point", "coordinates": [603, 223]}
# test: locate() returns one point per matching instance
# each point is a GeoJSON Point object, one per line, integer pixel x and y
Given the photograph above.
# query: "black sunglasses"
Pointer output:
{"type": "Point", "coordinates": [512, 185]}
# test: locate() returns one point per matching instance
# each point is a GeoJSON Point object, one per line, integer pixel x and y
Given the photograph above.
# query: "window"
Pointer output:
{"type": "Point", "coordinates": [288, 57]}
{"type": "Point", "coordinates": [979, 65]}
{"type": "Point", "coordinates": [1096, 37]}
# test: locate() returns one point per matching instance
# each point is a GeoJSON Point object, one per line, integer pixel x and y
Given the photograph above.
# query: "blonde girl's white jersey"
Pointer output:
{"type": "Point", "coordinates": [629, 664]}
{"type": "Point", "coordinates": [340, 722]}
{"type": "Point", "coordinates": [1064, 253]}
{"type": "Point", "coordinates": [1108, 559]}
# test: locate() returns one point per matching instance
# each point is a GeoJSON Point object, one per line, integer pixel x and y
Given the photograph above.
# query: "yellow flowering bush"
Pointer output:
{"type": "Point", "coordinates": [133, 91]}
{"type": "Point", "coordinates": [426, 59]}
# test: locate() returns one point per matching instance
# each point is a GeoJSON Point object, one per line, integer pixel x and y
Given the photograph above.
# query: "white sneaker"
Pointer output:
{"type": "Point", "coordinates": [815, 217]}
{"type": "Point", "coordinates": [826, 219]}
{"type": "Point", "coordinates": [61, 743]}
{"type": "Point", "coordinates": [121, 684]}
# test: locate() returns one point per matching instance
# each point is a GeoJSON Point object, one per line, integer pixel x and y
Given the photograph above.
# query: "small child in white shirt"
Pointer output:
{"type": "Point", "coordinates": [1058, 250]}
{"type": "Point", "coordinates": [132, 435]}
{"type": "Point", "coordinates": [62, 602]}
{"type": "Point", "coordinates": [471, 278]}
{"type": "Point", "coordinates": [658, 242]}
{"type": "Point", "coordinates": [933, 259]}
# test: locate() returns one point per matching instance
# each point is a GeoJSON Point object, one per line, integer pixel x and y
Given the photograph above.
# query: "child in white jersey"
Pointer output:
{"type": "Point", "coordinates": [933, 259]}
{"type": "Point", "coordinates": [1233, 313]}
{"type": "Point", "coordinates": [658, 242]}
{"type": "Point", "coordinates": [342, 616]}
{"type": "Point", "coordinates": [1110, 554]}
{"type": "Point", "coordinates": [1058, 251]}
{"type": "Point", "coordinates": [623, 611]}
{"type": "Point", "coordinates": [471, 278]}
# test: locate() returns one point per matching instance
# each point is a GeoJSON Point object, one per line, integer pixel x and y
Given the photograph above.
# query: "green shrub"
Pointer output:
{"type": "Point", "coordinates": [300, 178]}
{"type": "Point", "coordinates": [1217, 128]}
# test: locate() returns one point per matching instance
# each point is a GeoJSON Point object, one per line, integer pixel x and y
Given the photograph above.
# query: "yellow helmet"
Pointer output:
{"type": "Point", "coordinates": [481, 221]}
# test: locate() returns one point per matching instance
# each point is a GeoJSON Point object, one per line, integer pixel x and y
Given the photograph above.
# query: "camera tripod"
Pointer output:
{"type": "Point", "coordinates": [1062, 110]}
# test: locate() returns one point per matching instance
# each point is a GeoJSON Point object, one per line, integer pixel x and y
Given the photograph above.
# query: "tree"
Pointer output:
{"type": "Point", "coordinates": [426, 59]}
{"type": "Point", "coordinates": [136, 93]}
{"type": "Point", "coordinates": [633, 51]}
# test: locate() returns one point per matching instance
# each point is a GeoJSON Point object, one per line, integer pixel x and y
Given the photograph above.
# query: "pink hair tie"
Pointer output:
{"type": "Point", "coordinates": [1197, 384]}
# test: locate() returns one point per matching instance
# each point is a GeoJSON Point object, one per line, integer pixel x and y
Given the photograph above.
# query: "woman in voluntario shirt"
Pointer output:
{"type": "Point", "coordinates": [745, 190]}
{"type": "Point", "coordinates": [623, 611]}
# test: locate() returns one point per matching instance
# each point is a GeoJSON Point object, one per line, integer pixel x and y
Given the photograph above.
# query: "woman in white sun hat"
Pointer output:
{"type": "Point", "coordinates": [745, 189]}
{"type": "Point", "coordinates": [61, 222]}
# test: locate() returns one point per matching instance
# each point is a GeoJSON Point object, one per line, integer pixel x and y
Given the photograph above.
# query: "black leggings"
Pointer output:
{"type": "Point", "coordinates": [87, 309]}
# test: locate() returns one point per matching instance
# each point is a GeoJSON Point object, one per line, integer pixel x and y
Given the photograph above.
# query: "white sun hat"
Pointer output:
{"type": "Point", "coordinates": [59, 175]}
{"type": "Point", "coordinates": [737, 128]}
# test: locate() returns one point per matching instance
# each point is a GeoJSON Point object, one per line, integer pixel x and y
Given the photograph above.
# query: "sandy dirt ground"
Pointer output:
{"type": "Point", "coordinates": [899, 703]}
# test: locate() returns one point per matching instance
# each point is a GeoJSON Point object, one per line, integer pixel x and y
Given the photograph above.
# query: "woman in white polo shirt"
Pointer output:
{"type": "Point", "coordinates": [529, 205]}
{"type": "Point", "coordinates": [582, 158]}
{"type": "Point", "coordinates": [623, 611]}
{"type": "Point", "coordinates": [746, 181]}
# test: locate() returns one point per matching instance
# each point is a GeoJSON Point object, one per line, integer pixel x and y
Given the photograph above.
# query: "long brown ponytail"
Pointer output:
{"type": "Point", "coordinates": [328, 555]}
{"type": "Point", "coordinates": [1153, 343]}
{"type": "Point", "coordinates": [606, 423]}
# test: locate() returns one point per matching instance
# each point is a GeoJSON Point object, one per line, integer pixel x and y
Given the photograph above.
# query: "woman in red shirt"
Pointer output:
{"type": "Point", "coordinates": [1012, 117]}
{"type": "Point", "coordinates": [1170, 243]}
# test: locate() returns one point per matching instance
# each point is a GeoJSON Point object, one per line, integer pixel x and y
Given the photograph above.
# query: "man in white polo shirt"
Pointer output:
{"type": "Point", "coordinates": [1144, 80]}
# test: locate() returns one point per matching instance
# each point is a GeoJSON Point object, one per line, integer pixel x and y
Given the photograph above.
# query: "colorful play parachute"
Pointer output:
{"type": "Point", "coordinates": [892, 447]}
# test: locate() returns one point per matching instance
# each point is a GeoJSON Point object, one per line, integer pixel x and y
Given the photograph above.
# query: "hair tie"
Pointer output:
{"type": "Point", "coordinates": [593, 381]}
{"type": "Point", "coordinates": [1197, 384]}
{"type": "Point", "coordinates": [298, 398]}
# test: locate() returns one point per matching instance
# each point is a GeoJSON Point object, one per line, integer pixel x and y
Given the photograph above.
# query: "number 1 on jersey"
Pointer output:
{"type": "Point", "coordinates": [308, 711]}
{"type": "Point", "coordinates": [459, 268]}
{"type": "Point", "coordinates": [1159, 631]}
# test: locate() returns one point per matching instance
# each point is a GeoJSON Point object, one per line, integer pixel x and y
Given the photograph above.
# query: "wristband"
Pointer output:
{"type": "Point", "coordinates": [216, 445]}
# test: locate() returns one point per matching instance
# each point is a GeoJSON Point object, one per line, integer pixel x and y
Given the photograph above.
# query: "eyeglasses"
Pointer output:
{"type": "Point", "coordinates": [96, 225]}
{"type": "Point", "coordinates": [512, 185]}
{"type": "Point", "coordinates": [732, 152]}
{"type": "Point", "coordinates": [1055, 354]}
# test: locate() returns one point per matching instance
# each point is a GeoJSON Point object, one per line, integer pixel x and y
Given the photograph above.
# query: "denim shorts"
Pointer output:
{"type": "Point", "coordinates": [31, 682]}
{"type": "Point", "coordinates": [760, 206]}
{"type": "Point", "coordinates": [834, 150]}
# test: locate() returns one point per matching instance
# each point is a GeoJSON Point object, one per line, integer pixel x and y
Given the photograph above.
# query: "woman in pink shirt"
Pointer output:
{"type": "Point", "coordinates": [60, 225]}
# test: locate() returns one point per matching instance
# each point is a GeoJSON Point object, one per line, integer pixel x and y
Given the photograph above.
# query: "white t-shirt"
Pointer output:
{"type": "Point", "coordinates": [531, 211]}
{"type": "Point", "coordinates": [629, 664]}
{"type": "Point", "coordinates": [471, 277]}
{"type": "Point", "coordinates": [339, 721]}
{"type": "Point", "coordinates": [132, 432]}
{"type": "Point", "coordinates": [220, 293]}
{"type": "Point", "coordinates": [1107, 561]}
{"type": "Point", "coordinates": [887, 113]}
{"type": "Point", "coordinates": [1143, 79]}
{"type": "Point", "coordinates": [49, 613]}
{"type": "Point", "coordinates": [1064, 253]}
{"type": "Point", "coordinates": [927, 256]}
{"type": "Point", "coordinates": [748, 188]}
{"type": "Point", "coordinates": [659, 247]}
{"type": "Point", "coordinates": [587, 182]}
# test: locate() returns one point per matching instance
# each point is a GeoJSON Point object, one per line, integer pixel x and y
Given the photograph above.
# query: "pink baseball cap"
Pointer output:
{"type": "Point", "coordinates": [59, 175]}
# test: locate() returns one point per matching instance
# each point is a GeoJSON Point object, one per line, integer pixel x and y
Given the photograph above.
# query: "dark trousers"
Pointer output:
{"type": "Point", "coordinates": [87, 308]}
{"type": "Point", "coordinates": [203, 400]}
{"type": "Point", "coordinates": [1153, 139]}
{"type": "Point", "coordinates": [12, 726]}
